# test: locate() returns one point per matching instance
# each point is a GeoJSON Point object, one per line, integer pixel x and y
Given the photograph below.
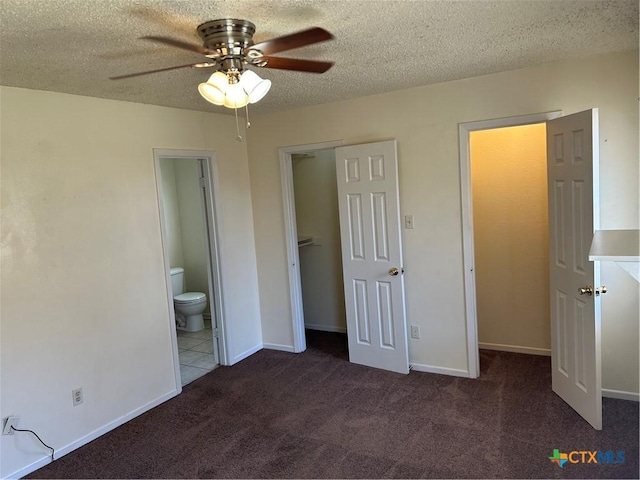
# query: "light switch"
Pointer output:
{"type": "Point", "coordinates": [408, 222]}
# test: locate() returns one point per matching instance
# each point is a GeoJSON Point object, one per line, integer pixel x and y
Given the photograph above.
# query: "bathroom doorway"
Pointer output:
{"type": "Point", "coordinates": [188, 223]}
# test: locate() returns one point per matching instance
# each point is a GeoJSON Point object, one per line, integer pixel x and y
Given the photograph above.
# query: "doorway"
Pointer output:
{"type": "Point", "coordinates": [320, 256]}
{"type": "Point", "coordinates": [510, 231]}
{"type": "Point", "coordinates": [318, 226]}
{"type": "Point", "coordinates": [371, 247]}
{"type": "Point", "coordinates": [466, 183]}
{"type": "Point", "coordinates": [292, 234]}
{"type": "Point", "coordinates": [189, 238]}
{"type": "Point", "coordinates": [573, 214]}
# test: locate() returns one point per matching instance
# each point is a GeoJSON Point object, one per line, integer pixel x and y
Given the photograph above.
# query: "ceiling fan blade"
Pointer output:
{"type": "Point", "coordinates": [312, 66]}
{"type": "Point", "coordinates": [177, 43]}
{"type": "Point", "coordinates": [197, 65]}
{"type": "Point", "coordinates": [294, 40]}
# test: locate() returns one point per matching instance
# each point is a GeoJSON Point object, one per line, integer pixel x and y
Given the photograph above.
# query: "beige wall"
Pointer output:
{"type": "Point", "coordinates": [83, 296]}
{"type": "Point", "coordinates": [316, 199]}
{"type": "Point", "coordinates": [510, 230]}
{"type": "Point", "coordinates": [83, 299]}
{"type": "Point", "coordinates": [425, 123]}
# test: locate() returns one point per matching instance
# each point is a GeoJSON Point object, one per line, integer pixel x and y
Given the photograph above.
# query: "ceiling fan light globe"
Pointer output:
{"type": "Point", "coordinates": [214, 89]}
{"type": "Point", "coordinates": [235, 96]}
{"type": "Point", "coordinates": [255, 86]}
{"type": "Point", "coordinates": [211, 93]}
{"type": "Point", "coordinates": [219, 79]}
{"type": "Point", "coordinates": [259, 91]}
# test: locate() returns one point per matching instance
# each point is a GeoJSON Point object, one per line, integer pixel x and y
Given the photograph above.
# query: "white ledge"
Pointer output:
{"type": "Point", "coordinates": [620, 246]}
{"type": "Point", "coordinates": [615, 246]}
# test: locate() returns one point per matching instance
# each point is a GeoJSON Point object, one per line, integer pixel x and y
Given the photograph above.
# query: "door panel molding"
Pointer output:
{"type": "Point", "coordinates": [376, 315]}
{"type": "Point", "coordinates": [575, 332]}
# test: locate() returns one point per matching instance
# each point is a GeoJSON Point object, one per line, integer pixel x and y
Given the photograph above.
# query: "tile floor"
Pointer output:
{"type": "Point", "coordinates": [195, 350]}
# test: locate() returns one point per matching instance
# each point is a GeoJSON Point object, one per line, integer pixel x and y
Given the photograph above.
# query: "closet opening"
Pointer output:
{"type": "Point", "coordinates": [319, 252]}
{"type": "Point", "coordinates": [510, 232]}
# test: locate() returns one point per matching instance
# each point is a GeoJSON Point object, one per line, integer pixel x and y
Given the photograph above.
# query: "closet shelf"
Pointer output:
{"type": "Point", "coordinates": [304, 241]}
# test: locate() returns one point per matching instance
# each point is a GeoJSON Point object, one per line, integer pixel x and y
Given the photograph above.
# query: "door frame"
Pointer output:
{"type": "Point", "coordinates": [464, 131]}
{"type": "Point", "coordinates": [291, 235]}
{"type": "Point", "coordinates": [214, 271]}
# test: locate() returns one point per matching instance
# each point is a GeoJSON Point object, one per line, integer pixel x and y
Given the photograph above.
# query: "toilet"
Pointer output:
{"type": "Point", "coordinates": [188, 306]}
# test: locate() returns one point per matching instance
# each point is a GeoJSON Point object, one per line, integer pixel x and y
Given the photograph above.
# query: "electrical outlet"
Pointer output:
{"type": "Point", "coordinates": [10, 422]}
{"type": "Point", "coordinates": [77, 396]}
{"type": "Point", "coordinates": [415, 331]}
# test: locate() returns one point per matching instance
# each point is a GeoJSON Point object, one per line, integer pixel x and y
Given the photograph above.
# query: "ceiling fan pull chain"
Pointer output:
{"type": "Point", "coordinates": [239, 137]}
{"type": "Point", "coordinates": [246, 107]}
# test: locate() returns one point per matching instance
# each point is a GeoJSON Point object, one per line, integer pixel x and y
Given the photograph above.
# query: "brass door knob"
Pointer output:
{"type": "Point", "coordinates": [588, 290]}
{"type": "Point", "coordinates": [394, 272]}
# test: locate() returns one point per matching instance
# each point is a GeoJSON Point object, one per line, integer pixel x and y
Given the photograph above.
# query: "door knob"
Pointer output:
{"type": "Point", "coordinates": [394, 271]}
{"type": "Point", "coordinates": [588, 290]}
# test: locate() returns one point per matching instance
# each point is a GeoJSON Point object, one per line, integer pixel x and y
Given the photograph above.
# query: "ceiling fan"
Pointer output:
{"type": "Point", "coordinates": [228, 45]}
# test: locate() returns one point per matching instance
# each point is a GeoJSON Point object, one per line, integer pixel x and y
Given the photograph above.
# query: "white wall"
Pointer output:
{"type": "Point", "coordinates": [316, 199]}
{"type": "Point", "coordinates": [510, 234]}
{"type": "Point", "coordinates": [425, 123]}
{"type": "Point", "coordinates": [83, 298]}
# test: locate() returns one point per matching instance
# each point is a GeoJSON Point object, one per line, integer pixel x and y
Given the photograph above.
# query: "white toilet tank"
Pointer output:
{"type": "Point", "coordinates": [177, 280]}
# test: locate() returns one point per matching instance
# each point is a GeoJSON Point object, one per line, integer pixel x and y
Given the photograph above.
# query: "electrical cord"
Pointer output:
{"type": "Point", "coordinates": [37, 436]}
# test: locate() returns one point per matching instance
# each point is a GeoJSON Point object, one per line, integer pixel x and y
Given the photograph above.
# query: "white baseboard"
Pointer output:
{"type": "Point", "coordinates": [325, 328]}
{"type": "Point", "coordinates": [246, 354]}
{"type": "Point", "coordinates": [30, 468]}
{"type": "Point", "coordinates": [515, 349]}
{"type": "Point", "coordinates": [621, 395]}
{"type": "Point", "coordinates": [91, 436]}
{"type": "Point", "coordinates": [439, 370]}
{"type": "Point", "coordinates": [281, 348]}
{"type": "Point", "coordinates": [257, 348]}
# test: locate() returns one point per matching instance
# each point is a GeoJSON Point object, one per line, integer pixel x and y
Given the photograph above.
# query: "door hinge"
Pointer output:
{"type": "Point", "coordinates": [202, 185]}
{"type": "Point", "coordinates": [216, 333]}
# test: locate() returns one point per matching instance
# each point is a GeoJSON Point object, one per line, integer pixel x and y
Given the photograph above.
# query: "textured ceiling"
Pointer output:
{"type": "Point", "coordinates": [73, 46]}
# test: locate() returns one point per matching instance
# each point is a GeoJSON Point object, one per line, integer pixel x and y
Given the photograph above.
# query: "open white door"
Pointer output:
{"type": "Point", "coordinates": [572, 166]}
{"type": "Point", "coordinates": [369, 209]}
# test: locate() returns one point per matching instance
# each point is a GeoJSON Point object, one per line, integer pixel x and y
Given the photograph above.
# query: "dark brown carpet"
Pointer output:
{"type": "Point", "coordinates": [314, 415]}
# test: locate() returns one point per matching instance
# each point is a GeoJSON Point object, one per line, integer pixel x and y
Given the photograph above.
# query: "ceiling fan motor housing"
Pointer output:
{"type": "Point", "coordinates": [227, 36]}
{"type": "Point", "coordinates": [228, 44]}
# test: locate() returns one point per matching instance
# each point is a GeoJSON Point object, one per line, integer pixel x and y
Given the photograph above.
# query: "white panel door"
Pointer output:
{"type": "Point", "coordinates": [572, 166]}
{"type": "Point", "coordinates": [372, 255]}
